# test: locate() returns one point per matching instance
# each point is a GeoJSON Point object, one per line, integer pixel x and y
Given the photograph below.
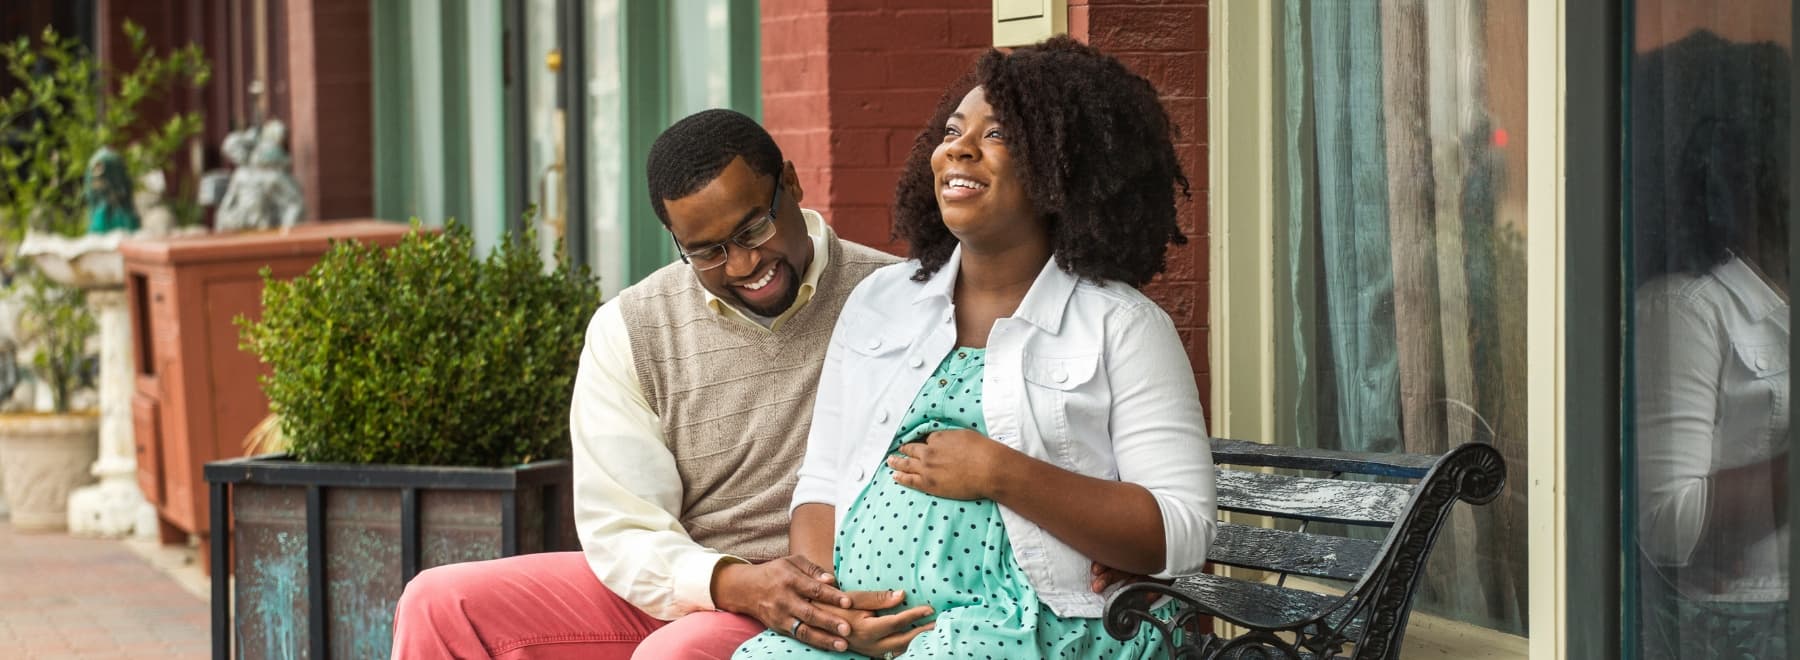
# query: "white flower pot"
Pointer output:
{"type": "Point", "coordinates": [45, 456]}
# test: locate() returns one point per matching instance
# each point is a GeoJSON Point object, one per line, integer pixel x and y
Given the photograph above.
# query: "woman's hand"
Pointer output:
{"type": "Point", "coordinates": [875, 635]}
{"type": "Point", "coordinates": [958, 464]}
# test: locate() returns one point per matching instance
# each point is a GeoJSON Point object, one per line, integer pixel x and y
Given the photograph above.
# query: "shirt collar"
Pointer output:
{"type": "Point", "coordinates": [1043, 305]}
{"type": "Point", "coordinates": [821, 234]}
{"type": "Point", "coordinates": [1752, 293]}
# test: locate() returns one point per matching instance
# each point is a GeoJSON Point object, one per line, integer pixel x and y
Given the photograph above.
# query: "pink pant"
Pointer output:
{"type": "Point", "coordinates": [546, 605]}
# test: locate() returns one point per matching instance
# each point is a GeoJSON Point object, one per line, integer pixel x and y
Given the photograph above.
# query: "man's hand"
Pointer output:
{"type": "Point", "coordinates": [780, 592]}
{"type": "Point", "coordinates": [876, 635]}
{"type": "Point", "coordinates": [958, 464]}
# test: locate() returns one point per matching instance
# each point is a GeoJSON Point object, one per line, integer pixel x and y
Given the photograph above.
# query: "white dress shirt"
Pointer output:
{"type": "Point", "coordinates": [627, 490]}
{"type": "Point", "coordinates": [1712, 394]}
{"type": "Point", "coordinates": [1090, 378]}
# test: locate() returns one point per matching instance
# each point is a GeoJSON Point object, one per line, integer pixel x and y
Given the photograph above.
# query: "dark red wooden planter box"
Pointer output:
{"type": "Point", "coordinates": [321, 552]}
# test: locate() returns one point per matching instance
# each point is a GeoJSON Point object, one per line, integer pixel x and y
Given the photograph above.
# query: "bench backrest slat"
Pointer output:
{"type": "Point", "coordinates": [1308, 498]}
{"type": "Point", "coordinates": [1254, 454]}
{"type": "Point", "coordinates": [1296, 553]}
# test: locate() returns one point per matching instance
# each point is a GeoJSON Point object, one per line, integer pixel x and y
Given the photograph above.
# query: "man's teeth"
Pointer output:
{"type": "Point", "coordinates": [753, 286]}
{"type": "Point", "coordinates": [959, 182]}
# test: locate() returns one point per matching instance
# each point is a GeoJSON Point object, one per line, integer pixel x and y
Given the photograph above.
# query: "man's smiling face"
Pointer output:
{"type": "Point", "coordinates": [764, 280]}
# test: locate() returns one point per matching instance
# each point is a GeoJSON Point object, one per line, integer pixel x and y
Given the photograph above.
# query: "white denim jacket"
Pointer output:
{"type": "Point", "coordinates": [1712, 394]}
{"type": "Point", "coordinates": [1090, 378]}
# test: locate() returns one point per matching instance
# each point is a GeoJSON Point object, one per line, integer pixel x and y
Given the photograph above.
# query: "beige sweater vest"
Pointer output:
{"type": "Point", "coordinates": [735, 401]}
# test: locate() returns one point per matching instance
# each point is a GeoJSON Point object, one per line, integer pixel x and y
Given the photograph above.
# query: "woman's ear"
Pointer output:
{"type": "Point", "coordinates": [791, 180]}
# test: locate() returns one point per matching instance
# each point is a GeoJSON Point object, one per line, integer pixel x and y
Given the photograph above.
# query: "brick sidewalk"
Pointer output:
{"type": "Point", "coordinates": [67, 597]}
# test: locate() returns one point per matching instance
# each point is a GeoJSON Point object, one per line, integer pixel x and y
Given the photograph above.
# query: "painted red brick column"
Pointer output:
{"type": "Point", "coordinates": [847, 84]}
{"type": "Point", "coordinates": [331, 127]}
{"type": "Point", "coordinates": [1167, 43]}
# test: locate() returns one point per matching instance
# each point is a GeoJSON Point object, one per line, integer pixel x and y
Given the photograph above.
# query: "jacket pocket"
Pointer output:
{"type": "Point", "coordinates": [1060, 373]}
{"type": "Point", "coordinates": [1762, 360]}
{"type": "Point", "coordinates": [875, 338]}
{"type": "Point", "coordinates": [1069, 408]}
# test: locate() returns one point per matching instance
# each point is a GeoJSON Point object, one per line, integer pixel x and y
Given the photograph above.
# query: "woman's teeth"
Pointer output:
{"type": "Point", "coordinates": [759, 284]}
{"type": "Point", "coordinates": [959, 182]}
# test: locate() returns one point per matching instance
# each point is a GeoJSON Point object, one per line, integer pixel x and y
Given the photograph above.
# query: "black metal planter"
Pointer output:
{"type": "Point", "coordinates": [323, 550]}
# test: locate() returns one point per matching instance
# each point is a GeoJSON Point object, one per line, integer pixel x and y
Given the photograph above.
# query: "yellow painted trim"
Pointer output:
{"type": "Point", "coordinates": [1543, 335]}
{"type": "Point", "coordinates": [1023, 32]}
{"type": "Point", "coordinates": [1241, 126]}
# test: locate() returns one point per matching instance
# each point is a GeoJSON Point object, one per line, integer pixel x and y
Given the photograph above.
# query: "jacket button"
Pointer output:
{"type": "Point", "coordinates": [881, 416]}
{"type": "Point", "coordinates": [1060, 376]}
{"type": "Point", "coordinates": [1762, 363]}
{"type": "Point", "coordinates": [917, 362]}
{"type": "Point", "coordinates": [860, 474]}
{"type": "Point", "coordinates": [874, 343]}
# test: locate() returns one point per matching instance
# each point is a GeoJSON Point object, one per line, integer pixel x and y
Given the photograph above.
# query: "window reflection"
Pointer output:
{"type": "Point", "coordinates": [1708, 122]}
{"type": "Point", "coordinates": [1400, 261]}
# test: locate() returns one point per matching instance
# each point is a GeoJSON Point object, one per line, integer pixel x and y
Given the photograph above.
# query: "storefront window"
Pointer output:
{"type": "Point", "coordinates": [1707, 114]}
{"type": "Point", "coordinates": [1400, 258]}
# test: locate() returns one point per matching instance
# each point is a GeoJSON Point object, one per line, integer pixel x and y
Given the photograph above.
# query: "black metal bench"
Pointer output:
{"type": "Point", "coordinates": [1280, 622]}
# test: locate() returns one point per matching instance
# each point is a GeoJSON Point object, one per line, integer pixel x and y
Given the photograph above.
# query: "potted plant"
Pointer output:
{"type": "Point", "coordinates": [66, 109]}
{"type": "Point", "coordinates": [423, 395]}
{"type": "Point", "coordinates": [47, 454]}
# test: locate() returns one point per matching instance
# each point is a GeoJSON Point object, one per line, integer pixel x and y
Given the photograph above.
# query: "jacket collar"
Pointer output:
{"type": "Point", "coordinates": [1043, 305]}
{"type": "Point", "coordinates": [1757, 299]}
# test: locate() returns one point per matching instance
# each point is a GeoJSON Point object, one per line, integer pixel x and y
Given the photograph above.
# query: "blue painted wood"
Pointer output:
{"type": "Point", "coordinates": [296, 589]}
{"type": "Point", "coordinates": [1309, 498]}
{"type": "Point", "coordinates": [1404, 466]}
{"type": "Point", "coordinates": [1296, 553]}
{"type": "Point", "coordinates": [1258, 605]}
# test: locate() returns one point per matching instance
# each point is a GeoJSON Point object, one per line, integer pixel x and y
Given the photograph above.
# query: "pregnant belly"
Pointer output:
{"type": "Point", "coordinates": [943, 552]}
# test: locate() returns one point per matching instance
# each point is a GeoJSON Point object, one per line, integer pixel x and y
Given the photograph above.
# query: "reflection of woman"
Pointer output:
{"type": "Point", "coordinates": [1006, 406]}
{"type": "Point", "coordinates": [1712, 392]}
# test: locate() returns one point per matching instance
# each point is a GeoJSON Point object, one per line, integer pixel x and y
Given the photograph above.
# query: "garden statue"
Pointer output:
{"type": "Point", "coordinates": [108, 194]}
{"type": "Point", "coordinates": [154, 214]}
{"type": "Point", "coordinates": [261, 194]}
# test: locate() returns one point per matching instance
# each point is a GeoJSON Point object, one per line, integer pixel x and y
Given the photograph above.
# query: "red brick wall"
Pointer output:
{"type": "Point", "coordinates": [168, 25]}
{"type": "Point", "coordinates": [331, 106]}
{"type": "Point", "coordinates": [1167, 43]}
{"type": "Point", "coordinates": [847, 84]}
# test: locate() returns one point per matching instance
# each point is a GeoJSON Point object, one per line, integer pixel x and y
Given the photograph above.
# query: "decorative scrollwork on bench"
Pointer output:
{"type": "Point", "coordinates": [1280, 623]}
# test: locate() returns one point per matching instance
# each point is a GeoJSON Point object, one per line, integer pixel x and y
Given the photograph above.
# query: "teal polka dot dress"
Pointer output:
{"type": "Point", "coordinates": [951, 554]}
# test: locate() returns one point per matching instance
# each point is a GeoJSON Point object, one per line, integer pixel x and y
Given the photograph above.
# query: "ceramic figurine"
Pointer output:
{"type": "Point", "coordinates": [108, 194]}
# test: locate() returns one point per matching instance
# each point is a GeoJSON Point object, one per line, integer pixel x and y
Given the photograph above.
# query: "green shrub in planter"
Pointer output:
{"type": "Point", "coordinates": [423, 354]}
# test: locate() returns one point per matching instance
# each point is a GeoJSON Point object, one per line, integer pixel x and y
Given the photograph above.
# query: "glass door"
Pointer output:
{"type": "Point", "coordinates": [544, 154]}
{"type": "Point", "coordinates": [1706, 397]}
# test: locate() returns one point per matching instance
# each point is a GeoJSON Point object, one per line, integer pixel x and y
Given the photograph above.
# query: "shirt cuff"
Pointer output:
{"type": "Point", "coordinates": [812, 491]}
{"type": "Point", "coordinates": [693, 574]}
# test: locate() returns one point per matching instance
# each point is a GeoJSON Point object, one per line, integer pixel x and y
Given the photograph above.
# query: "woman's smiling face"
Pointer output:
{"type": "Point", "coordinates": [980, 192]}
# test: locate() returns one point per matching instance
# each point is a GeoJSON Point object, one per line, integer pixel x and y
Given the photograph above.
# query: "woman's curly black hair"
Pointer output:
{"type": "Point", "coordinates": [1094, 145]}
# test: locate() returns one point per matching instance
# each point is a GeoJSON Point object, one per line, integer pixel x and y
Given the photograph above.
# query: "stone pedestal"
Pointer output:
{"type": "Point", "coordinates": [115, 506]}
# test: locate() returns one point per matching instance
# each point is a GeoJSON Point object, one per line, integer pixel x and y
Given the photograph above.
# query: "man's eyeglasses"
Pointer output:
{"type": "Point", "coordinates": [750, 237]}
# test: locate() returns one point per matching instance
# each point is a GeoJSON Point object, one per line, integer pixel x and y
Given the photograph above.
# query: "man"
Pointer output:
{"type": "Point", "coordinates": [690, 414]}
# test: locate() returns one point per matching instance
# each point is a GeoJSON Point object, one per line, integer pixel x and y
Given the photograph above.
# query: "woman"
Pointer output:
{"type": "Point", "coordinates": [1712, 388]}
{"type": "Point", "coordinates": [1006, 406]}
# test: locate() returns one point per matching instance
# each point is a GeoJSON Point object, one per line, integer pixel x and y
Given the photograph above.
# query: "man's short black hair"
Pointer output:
{"type": "Point", "coordinates": [691, 154]}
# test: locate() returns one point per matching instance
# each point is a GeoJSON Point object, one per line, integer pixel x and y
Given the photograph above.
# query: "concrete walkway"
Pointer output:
{"type": "Point", "coordinates": [67, 597]}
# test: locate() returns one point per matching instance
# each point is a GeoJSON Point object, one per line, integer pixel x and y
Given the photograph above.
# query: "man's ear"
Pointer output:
{"type": "Point", "coordinates": [791, 180]}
